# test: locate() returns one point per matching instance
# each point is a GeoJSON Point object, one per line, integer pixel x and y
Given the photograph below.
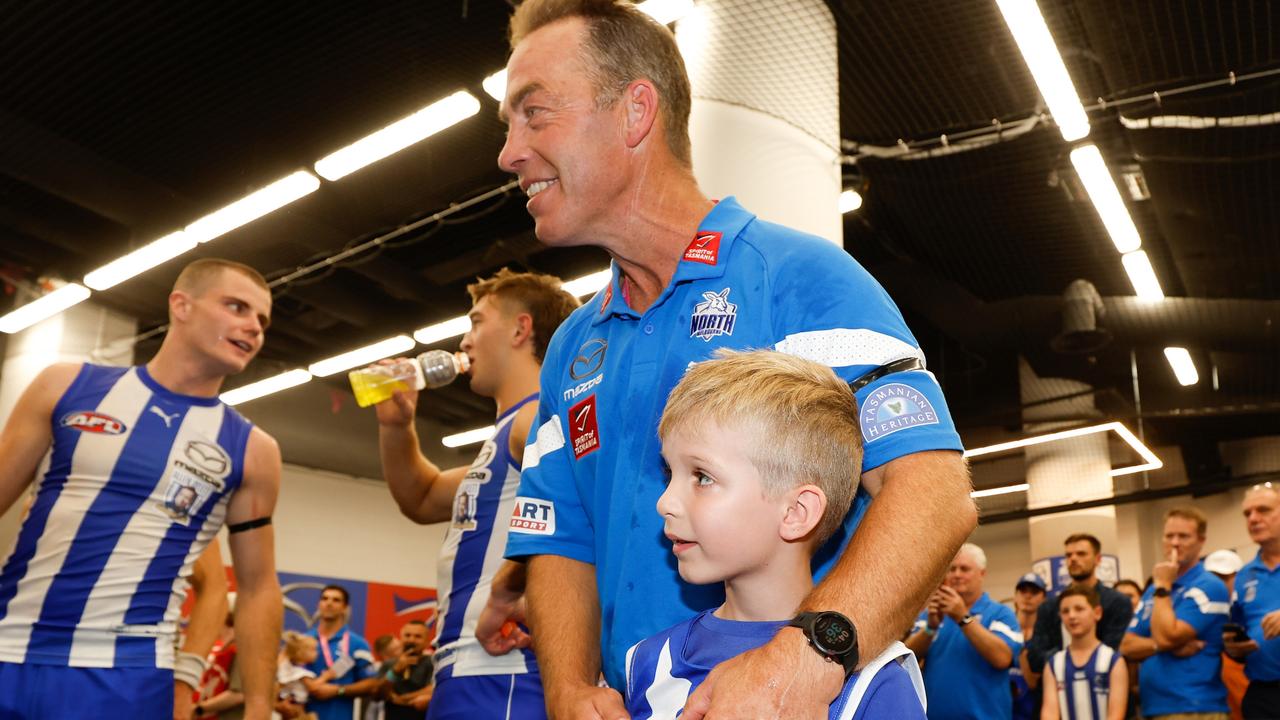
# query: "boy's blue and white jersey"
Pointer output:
{"type": "Point", "coordinates": [472, 554]}
{"type": "Point", "coordinates": [662, 670]}
{"type": "Point", "coordinates": [137, 485]}
{"type": "Point", "coordinates": [1085, 691]}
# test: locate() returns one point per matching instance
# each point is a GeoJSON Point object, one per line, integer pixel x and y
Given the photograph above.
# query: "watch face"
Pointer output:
{"type": "Point", "coordinates": [832, 634]}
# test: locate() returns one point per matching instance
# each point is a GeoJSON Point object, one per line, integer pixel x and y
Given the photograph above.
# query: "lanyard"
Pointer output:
{"type": "Point", "coordinates": [343, 650]}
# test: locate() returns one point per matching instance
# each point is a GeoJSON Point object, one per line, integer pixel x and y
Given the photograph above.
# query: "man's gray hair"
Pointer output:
{"type": "Point", "coordinates": [974, 552]}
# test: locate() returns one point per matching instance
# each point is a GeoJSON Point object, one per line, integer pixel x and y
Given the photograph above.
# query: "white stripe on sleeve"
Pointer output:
{"type": "Point", "coordinates": [842, 347]}
{"type": "Point", "coordinates": [1207, 606]}
{"type": "Point", "coordinates": [550, 438]}
{"type": "Point", "coordinates": [999, 627]}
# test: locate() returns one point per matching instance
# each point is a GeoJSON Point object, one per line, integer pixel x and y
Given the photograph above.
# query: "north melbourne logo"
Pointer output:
{"type": "Point", "coordinates": [895, 407]}
{"type": "Point", "coordinates": [714, 316]}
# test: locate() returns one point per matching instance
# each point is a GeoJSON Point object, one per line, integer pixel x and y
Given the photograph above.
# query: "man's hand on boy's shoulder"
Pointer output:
{"type": "Point", "coordinates": [782, 678]}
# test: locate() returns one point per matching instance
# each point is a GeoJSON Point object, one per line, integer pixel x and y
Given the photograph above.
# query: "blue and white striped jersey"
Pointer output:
{"type": "Point", "coordinates": [137, 484]}
{"type": "Point", "coordinates": [472, 554]}
{"type": "Point", "coordinates": [1084, 691]}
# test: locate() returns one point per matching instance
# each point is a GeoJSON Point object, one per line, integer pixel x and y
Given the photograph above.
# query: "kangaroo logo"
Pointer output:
{"type": "Point", "coordinates": [714, 316]}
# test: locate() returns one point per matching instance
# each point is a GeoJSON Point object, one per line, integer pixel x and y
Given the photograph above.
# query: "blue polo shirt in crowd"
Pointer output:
{"type": "Point", "coordinates": [960, 683]}
{"type": "Point", "coordinates": [593, 473]}
{"type": "Point", "coordinates": [1193, 684]}
{"type": "Point", "coordinates": [343, 642]}
{"type": "Point", "coordinates": [1258, 593]}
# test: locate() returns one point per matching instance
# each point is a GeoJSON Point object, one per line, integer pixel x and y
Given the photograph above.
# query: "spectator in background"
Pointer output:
{"type": "Point", "coordinates": [1225, 564]}
{"type": "Point", "coordinates": [345, 653]}
{"type": "Point", "coordinates": [409, 677]}
{"type": "Point", "coordinates": [1028, 595]}
{"type": "Point", "coordinates": [1086, 680]}
{"type": "Point", "coordinates": [1130, 589]}
{"type": "Point", "coordinates": [968, 642]}
{"type": "Point", "coordinates": [1184, 604]}
{"type": "Point", "coordinates": [218, 664]}
{"type": "Point", "coordinates": [1256, 607]}
{"type": "Point", "coordinates": [1082, 553]}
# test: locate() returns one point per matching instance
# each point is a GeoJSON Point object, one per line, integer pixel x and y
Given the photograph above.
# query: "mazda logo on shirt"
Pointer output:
{"type": "Point", "coordinates": [590, 358]}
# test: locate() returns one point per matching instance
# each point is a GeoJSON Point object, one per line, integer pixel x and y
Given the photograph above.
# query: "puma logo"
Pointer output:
{"type": "Point", "coordinates": [168, 419]}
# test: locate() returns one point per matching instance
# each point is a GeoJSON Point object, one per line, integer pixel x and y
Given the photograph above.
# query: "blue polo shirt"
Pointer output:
{"type": "Point", "coordinates": [1172, 684]}
{"type": "Point", "coordinates": [343, 642]}
{"type": "Point", "coordinates": [960, 683]}
{"type": "Point", "coordinates": [593, 473]}
{"type": "Point", "coordinates": [1258, 593]}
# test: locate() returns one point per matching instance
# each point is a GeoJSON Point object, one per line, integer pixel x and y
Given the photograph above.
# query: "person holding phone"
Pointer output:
{"type": "Point", "coordinates": [1177, 633]}
{"type": "Point", "coordinates": [410, 686]}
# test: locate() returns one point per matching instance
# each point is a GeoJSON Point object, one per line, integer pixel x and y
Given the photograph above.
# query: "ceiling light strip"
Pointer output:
{"type": "Point", "coordinates": [1184, 368]}
{"type": "Point", "coordinates": [267, 386]}
{"type": "Point", "coordinates": [1142, 276]}
{"type": "Point", "coordinates": [989, 492]}
{"type": "Point", "coordinates": [399, 135]}
{"type": "Point", "coordinates": [362, 356]}
{"type": "Point", "coordinates": [253, 206]}
{"type": "Point", "coordinates": [43, 307]}
{"type": "Point", "coordinates": [139, 261]}
{"type": "Point", "coordinates": [1106, 198]}
{"type": "Point", "coordinates": [1151, 461]}
{"type": "Point", "coordinates": [1045, 62]}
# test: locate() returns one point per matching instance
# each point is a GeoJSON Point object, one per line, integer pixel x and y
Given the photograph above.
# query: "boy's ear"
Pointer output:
{"type": "Point", "coordinates": [805, 507]}
{"type": "Point", "coordinates": [1097, 614]}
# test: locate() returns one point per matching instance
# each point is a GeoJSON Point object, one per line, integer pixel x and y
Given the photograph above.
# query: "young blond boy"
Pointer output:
{"type": "Point", "coordinates": [764, 456]}
{"type": "Point", "coordinates": [1086, 680]}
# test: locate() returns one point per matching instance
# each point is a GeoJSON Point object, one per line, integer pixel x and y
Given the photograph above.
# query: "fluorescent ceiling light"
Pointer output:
{"type": "Point", "coordinates": [442, 330]}
{"type": "Point", "coordinates": [139, 261]}
{"type": "Point", "coordinates": [273, 384]}
{"type": "Point", "coordinates": [1184, 369]}
{"type": "Point", "coordinates": [399, 135]}
{"type": "Point", "coordinates": [588, 284]}
{"type": "Point", "coordinates": [1000, 491]}
{"type": "Point", "coordinates": [45, 306]}
{"type": "Point", "coordinates": [469, 437]}
{"type": "Point", "coordinates": [253, 206]}
{"type": "Point", "coordinates": [1106, 198]}
{"type": "Point", "coordinates": [850, 200]}
{"type": "Point", "coordinates": [496, 85]}
{"type": "Point", "coordinates": [1050, 73]}
{"type": "Point", "coordinates": [1145, 283]}
{"type": "Point", "coordinates": [454, 327]}
{"type": "Point", "coordinates": [362, 356]}
{"type": "Point", "coordinates": [666, 11]}
{"type": "Point", "coordinates": [1151, 461]}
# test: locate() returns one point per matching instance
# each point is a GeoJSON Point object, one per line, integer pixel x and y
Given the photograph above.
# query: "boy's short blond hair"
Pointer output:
{"type": "Point", "coordinates": [801, 418]}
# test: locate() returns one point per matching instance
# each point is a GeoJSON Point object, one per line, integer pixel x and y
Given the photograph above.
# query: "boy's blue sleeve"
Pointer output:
{"type": "Point", "coordinates": [1141, 623]}
{"type": "Point", "coordinates": [891, 696]}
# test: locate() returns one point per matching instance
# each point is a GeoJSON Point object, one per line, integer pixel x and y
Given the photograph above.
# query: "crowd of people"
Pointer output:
{"type": "Point", "coordinates": [678, 521]}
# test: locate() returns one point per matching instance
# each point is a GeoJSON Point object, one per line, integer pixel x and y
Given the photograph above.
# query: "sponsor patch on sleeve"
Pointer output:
{"type": "Point", "coordinates": [893, 407]}
{"type": "Point", "coordinates": [532, 516]}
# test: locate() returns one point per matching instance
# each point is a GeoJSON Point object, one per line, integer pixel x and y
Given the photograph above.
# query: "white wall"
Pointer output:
{"type": "Point", "coordinates": [341, 526]}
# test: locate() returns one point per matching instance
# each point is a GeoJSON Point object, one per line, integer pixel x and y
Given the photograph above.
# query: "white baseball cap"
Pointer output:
{"type": "Point", "coordinates": [1223, 562]}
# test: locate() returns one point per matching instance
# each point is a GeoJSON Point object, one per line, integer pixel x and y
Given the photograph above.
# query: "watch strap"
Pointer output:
{"type": "Point", "coordinates": [1161, 592]}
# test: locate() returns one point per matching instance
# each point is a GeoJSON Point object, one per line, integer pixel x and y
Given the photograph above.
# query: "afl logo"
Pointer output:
{"type": "Point", "coordinates": [590, 358]}
{"type": "Point", "coordinates": [92, 422]}
{"type": "Point", "coordinates": [208, 457]}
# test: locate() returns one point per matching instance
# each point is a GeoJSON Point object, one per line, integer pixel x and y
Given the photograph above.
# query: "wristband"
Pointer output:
{"type": "Point", "coordinates": [930, 632]}
{"type": "Point", "coordinates": [189, 668]}
{"type": "Point", "coordinates": [342, 690]}
{"type": "Point", "coordinates": [966, 620]}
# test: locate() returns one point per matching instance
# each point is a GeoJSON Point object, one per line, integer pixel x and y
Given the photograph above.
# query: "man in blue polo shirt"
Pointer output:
{"type": "Point", "coordinates": [1177, 632]}
{"type": "Point", "coordinates": [967, 642]}
{"type": "Point", "coordinates": [597, 103]}
{"type": "Point", "coordinates": [1256, 605]}
{"type": "Point", "coordinates": [344, 652]}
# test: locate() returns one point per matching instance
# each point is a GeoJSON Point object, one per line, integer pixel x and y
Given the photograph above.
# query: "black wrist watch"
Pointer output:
{"type": "Point", "coordinates": [1160, 592]}
{"type": "Point", "coordinates": [832, 635]}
